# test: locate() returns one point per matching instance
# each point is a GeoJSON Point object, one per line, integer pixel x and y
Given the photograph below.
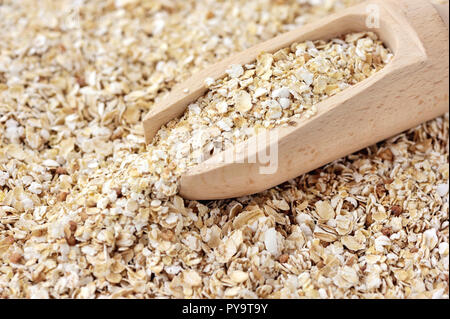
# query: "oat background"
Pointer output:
{"type": "Point", "coordinates": [77, 218]}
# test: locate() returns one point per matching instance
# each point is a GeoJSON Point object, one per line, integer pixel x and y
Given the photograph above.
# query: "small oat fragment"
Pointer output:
{"type": "Point", "coordinates": [209, 81]}
{"type": "Point", "coordinates": [81, 81]}
{"type": "Point", "coordinates": [9, 240]}
{"type": "Point", "coordinates": [15, 258]}
{"type": "Point", "coordinates": [387, 231]}
{"type": "Point", "coordinates": [430, 238]}
{"type": "Point", "coordinates": [167, 235]}
{"type": "Point", "coordinates": [282, 92]}
{"type": "Point", "coordinates": [442, 189]}
{"type": "Point", "coordinates": [62, 196]}
{"type": "Point", "coordinates": [283, 258]}
{"type": "Point", "coordinates": [118, 191]}
{"type": "Point", "coordinates": [235, 71]}
{"type": "Point", "coordinates": [380, 190]}
{"type": "Point", "coordinates": [325, 210]}
{"type": "Point", "coordinates": [352, 243]}
{"type": "Point", "coordinates": [387, 155]}
{"type": "Point", "coordinates": [61, 171]}
{"type": "Point", "coordinates": [271, 241]}
{"type": "Point", "coordinates": [192, 278]}
{"type": "Point", "coordinates": [381, 242]}
{"type": "Point", "coordinates": [72, 226]}
{"type": "Point", "coordinates": [114, 278]}
{"type": "Point", "coordinates": [71, 240]}
{"type": "Point", "coordinates": [281, 204]}
{"type": "Point", "coordinates": [238, 276]}
{"type": "Point", "coordinates": [396, 210]}
{"type": "Point", "coordinates": [243, 102]}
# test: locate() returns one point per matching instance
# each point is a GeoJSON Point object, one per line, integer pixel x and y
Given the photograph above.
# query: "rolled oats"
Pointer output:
{"type": "Point", "coordinates": [79, 215]}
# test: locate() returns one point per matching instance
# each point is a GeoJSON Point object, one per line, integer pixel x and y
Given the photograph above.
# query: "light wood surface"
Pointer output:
{"type": "Point", "coordinates": [442, 9]}
{"type": "Point", "coordinates": [411, 89]}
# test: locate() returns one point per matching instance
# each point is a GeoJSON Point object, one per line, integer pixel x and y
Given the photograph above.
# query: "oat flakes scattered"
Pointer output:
{"type": "Point", "coordinates": [75, 80]}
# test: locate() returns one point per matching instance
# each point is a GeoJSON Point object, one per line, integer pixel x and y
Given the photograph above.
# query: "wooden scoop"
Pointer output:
{"type": "Point", "coordinates": [411, 89]}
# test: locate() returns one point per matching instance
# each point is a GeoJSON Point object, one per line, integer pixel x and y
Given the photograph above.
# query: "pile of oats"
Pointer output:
{"type": "Point", "coordinates": [275, 89]}
{"type": "Point", "coordinates": [79, 218]}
